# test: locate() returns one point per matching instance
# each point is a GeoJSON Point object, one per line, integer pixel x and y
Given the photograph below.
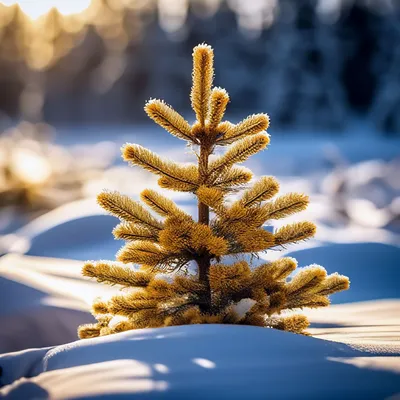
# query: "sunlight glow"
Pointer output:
{"type": "Point", "coordinates": [36, 8]}
{"type": "Point", "coordinates": [391, 364]}
{"type": "Point", "coordinates": [30, 167]}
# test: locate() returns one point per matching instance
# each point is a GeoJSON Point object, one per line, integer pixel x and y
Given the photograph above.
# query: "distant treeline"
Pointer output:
{"type": "Point", "coordinates": [306, 70]}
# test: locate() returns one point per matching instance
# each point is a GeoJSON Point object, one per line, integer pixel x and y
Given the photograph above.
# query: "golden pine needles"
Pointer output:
{"type": "Point", "coordinates": [295, 232]}
{"type": "Point", "coordinates": [294, 323]}
{"type": "Point", "coordinates": [218, 293]}
{"type": "Point", "coordinates": [125, 209]}
{"type": "Point", "coordinates": [203, 74]}
{"type": "Point", "coordinates": [250, 126]}
{"type": "Point", "coordinates": [179, 174]}
{"type": "Point", "coordinates": [231, 178]}
{"type": "Point", "coordinates": [169, 119]}
{"type": "Point", "coordinates": [239, 152]}
{"type": "Point", "coordinates": [264, 189]}
{"type": "Point", "coordinates": [286, 205]}
{"type": "Point", "coordinates": [143, 252]}
{"type": "Point", "coordinates": [218, 102]}
{"type": "Point", "coordinates": [210, 196]}
{"type": "Point", "coordinates": [131, 231]}
{"type": "Point", "coordinates": [160, 204]}
{"type": "Point", "coordinates": [116, 275]}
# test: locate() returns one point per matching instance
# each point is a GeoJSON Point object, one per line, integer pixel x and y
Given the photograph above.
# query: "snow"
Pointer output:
{"type": "Point", "coordinates": [287, 149]}
{"type": "Point", "coordinates": [354, 351]}
{"type": "Point", "coordinates": [243, 306]}
{"type": "Point", "coordinates": [371, 325]}
{"type": "Point", "coordinates": [201, 361]}
{"type": "Point", "coordinates": [43, 301]}
{"type": "Point", "coordinates": [373, 268]}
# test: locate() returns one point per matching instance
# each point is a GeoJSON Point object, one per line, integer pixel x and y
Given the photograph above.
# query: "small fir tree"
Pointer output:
{"type": "Point", "coordinates": [217, 293]}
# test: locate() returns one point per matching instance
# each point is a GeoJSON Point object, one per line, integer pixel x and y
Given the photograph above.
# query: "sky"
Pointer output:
{"type": "Point", "coordinates": [36, 8]}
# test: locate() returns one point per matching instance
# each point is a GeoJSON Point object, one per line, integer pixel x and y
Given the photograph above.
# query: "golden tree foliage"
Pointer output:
{"type": "Point", "coordinates": [214, 292]}
{"type": "Point", "coordinates": [203, 74]}
{"type": "Point", "coordinates": [169, 119]}
{"type": "Point", "coordinates": [218, 102]}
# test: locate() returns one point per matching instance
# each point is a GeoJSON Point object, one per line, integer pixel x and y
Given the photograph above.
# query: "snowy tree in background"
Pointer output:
{"type": "Point", "coordinates": [385, 109]}
{"type": "Point", "coordinates": [301, 79]}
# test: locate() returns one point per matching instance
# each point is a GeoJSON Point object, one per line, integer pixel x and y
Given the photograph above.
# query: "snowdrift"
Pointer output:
{"type": "Point", "coordinates": [198, 362]}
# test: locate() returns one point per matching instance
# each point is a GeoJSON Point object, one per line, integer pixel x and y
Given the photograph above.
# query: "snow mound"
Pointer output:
{"type": "Point", "coordinates": [200, 362]}
{"type": "Point", "coordinates": [43, 300]}
{"type": "Point", "coordinates": [373, 268]}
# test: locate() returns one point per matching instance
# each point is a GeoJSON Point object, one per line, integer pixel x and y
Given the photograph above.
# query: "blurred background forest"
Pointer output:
{"type": "Point", "coordinates": [75, 75]}
{"type": "Point", "coordinates": [311, 64]}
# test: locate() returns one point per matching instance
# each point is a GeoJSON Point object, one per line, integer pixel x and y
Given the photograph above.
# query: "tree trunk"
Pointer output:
{"type": "Point", "coordinates": [204, 218]}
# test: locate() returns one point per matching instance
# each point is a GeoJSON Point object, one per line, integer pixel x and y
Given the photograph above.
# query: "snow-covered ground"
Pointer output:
{"type": "Point", "coordinates": [47, 298]}
{"type": "Point", "coordinates": [287, 150]}
{"type": "Point", "coordinates": [201, 362]}
{"type": "Point", "coordinates": [358, 202]}
{"type": "Point", "coordinates": [44, 299]}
